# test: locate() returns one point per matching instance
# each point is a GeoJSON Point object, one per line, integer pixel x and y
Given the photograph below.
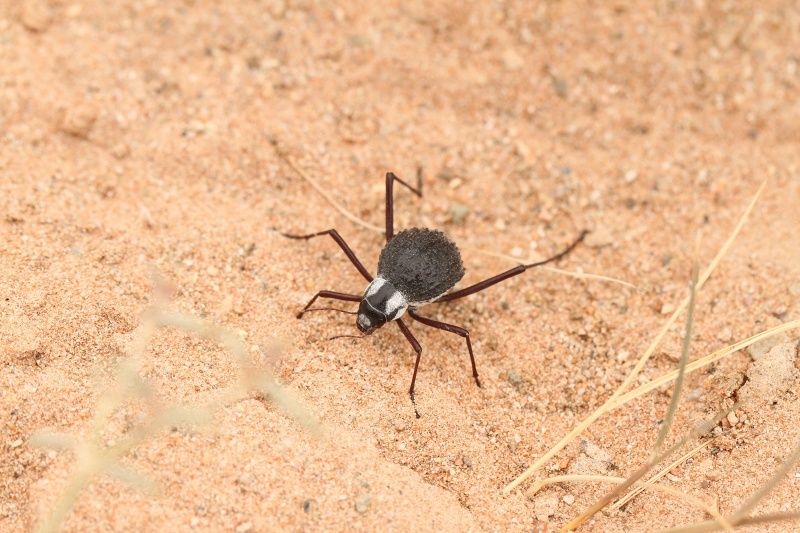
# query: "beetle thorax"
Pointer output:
{"type": "Point", "coordinates": [381, 301]}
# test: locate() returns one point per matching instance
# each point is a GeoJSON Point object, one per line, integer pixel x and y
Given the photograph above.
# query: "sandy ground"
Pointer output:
{"type": "Point", "coordinates": [134, 138]}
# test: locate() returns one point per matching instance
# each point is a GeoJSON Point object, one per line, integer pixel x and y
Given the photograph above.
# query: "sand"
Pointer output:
{"type": "Point", "coordinates": [135, 139]}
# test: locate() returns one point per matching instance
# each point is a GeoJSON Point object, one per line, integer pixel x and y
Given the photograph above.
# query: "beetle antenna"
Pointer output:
{"type": "Point", "coordinates": [347, 337]}
{"type": "Point", "coordinates": [328, 309]}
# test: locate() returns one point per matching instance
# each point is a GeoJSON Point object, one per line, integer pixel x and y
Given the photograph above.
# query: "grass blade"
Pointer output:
{"type": "Point", "coordinates": [643, 360]}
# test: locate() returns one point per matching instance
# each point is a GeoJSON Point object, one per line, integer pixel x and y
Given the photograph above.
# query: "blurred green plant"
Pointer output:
{"type": "Point", "coordinates": [95, 457]}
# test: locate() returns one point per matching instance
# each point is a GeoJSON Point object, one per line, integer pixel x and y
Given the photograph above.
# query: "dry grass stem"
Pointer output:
{"type": "Point", "coordinates": [632, 494]}
{"type": "Point", "coordinates": [643, 360]}
{"type": "Point", "coordinates": [311, 181]}
{"type": "Point", "coordinates": [703, 527]}
{"type": "Point", "coordinates": [579, 275]}
{"type": "Point", "coordinates": [765, 489]}
{"type": "Point", "coordinates": [363, 223]}
{"type": "Point", "coordinates": [640, 485]}
{"type": "Point", "coordinates": [700, 363]}
{"type": "Point", "coordinates": [665, 426]}
{"type": "Point", "coordinates": [676, 392]}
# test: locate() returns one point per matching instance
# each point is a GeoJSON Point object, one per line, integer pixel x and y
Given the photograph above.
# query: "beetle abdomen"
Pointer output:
{"type": "Point", "coordinates": [421, 263]}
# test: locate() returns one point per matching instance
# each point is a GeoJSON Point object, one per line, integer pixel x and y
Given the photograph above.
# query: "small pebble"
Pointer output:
{"type": "Point", "coordinates": [545, 506]}
{"type": "Point", "coordinates": [78, 121]}
{"type": "Point", "coordinates": [522, 150]}
{"type": "Point", "coordinates": [761, 348]}
{"type": "Point", "coordinates": [561, 87]}
{"type": "Point", "coordinates": [725, 335]}
{"type": "Point", "coordinates": [458, 212]}
{"type": "Point", "coordinates": [36, 15]}
{"type": "Point", "coordinates": [514, 377]}
{"type": "Point", "coordinates": [467, 460]}
{"type": "Point", "coordinates": [512, 60]}
{"type": "Point", "coordinates": [667, 309]}
{"type": "Point", "coordinates": [569, 499]}
{"type": "Point", "coordinates": [599, 237]}
{"type": "Point", "coordinates": [121, 150]}
{"type": "Point", "coordinates": [732, 418]}
{"type": "Point", "coordinates": [695, 394]}
{"type": "Point", "coordinates": [363, 502]}
{"type": "Point", "coordinates": [594, 451]}
{"type": "Point", "coordinates": [770, 376]}
{"type": "Point", "coordinates": [244, 528]}
{"type": "Point", "coordinates": [399, 425]}
{"type": "Point", "coordinates": [278, 9]}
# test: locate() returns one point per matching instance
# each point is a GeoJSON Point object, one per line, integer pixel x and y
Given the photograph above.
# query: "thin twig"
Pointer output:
{"type": "Point", "coordinates": [641, 485]}
{"type": "Point", "coordinates": [700, 363]}
{"type": "Point", "coordinates": [580, 275]}
{"type": "Point", "coordinates": [311, 181]}
{"type": "Point", "coordinates": [779, 474]}
{"type": "Point", "coordinates": [633, 478]}
{"type": "Point", "coordinates": [704, 527]}
{"type": "Point", "coordinates": [680, 460]}
{"type": "Point", "coordinates": [642, 361]}
{"type": "Point", "coordinates": [676, 392]}
{"type": "Point", "coordinates": [654, 458]}
{"type": "Point", "coordinates": [286, 158]}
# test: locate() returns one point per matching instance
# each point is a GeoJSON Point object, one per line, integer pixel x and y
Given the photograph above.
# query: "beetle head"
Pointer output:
{"type": "Point", "coordinates": [369, 318]}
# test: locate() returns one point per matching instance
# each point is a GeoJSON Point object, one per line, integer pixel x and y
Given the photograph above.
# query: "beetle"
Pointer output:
{"type": "Point", "coordinates": [416, 267]}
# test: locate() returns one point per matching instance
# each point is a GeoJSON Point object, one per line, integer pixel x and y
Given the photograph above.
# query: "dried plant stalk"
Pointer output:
{"type": "Point", "coordinates": [655, 456]}
{"type": "Point", "coordinates": [95, 458]}
{"type": "Point", "coordinates": [364, 224]}
{"type": "Point", "coordinates": [703, 527]}
{"type": "Point", "coordinates": [642, 361]}
{"type": "Point", "coordinates": [641, 485]}
{"type": "Point", "coordinates": [661, 473]}
{"type": "Point", "coordinates": [700, 363]}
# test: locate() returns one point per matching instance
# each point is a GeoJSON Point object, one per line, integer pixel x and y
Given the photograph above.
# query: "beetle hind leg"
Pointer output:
{"type": "Point", "coordinates": [452, 329]}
